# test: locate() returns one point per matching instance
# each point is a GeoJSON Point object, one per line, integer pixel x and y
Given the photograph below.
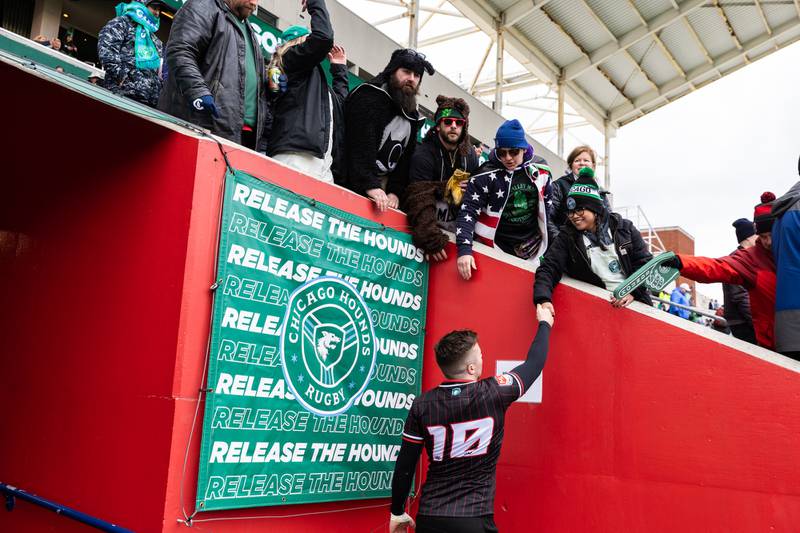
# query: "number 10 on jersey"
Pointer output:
{"type": "Point", "coordinates": [469, 438]}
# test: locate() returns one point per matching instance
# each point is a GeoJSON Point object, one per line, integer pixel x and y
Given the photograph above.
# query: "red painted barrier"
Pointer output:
{"type": "Point", "coordinates": [106, 258]}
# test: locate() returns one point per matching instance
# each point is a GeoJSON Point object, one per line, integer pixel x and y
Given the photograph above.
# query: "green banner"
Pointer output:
{"type": "Point", "coordinates": [315, 353]}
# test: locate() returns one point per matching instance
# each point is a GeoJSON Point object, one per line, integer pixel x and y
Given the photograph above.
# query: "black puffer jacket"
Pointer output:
{"type": "Point", "coordinates": [380, 140]}
{"type": "Point", "coordinates": [205, 55]}
{"type": "Point", "coordinates": [302, 115]}
{"type": "Point", "coordinates": [567, 254]}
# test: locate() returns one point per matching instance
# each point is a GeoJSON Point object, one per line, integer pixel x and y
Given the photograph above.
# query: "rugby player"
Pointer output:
{"type": "Point", "coordinates": [460, 425]}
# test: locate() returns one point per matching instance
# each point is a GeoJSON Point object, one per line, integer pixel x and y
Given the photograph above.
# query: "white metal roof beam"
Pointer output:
{"type": "Point", "coordinates": [659, 22]}
{"type": "Point", "coordinates": [519, 10]}
{"type": "Point", "coordinates": [659, 42]}
{"type": "Point", "coordinates": [447, 36]}
{"type": "Point", "coordinates": [530, 57]}
{"type": "Point", "coordinates": [763, 17]}
{"type": "Point", "coordinates": [613, 37]}
{"type": "Point", "coordinates": [731, 31]}
{"type": "Point", "coordinates": [620, 89]}
{"type": "Point", "coordinates": [624, 111]}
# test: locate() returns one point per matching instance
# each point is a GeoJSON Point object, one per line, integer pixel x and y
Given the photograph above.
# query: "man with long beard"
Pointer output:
{"type": "Point", "coordinates": [381, 125]}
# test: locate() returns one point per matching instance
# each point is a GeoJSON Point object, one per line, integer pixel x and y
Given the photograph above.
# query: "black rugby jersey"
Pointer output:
{"type": "Point", "coordinates": [461, 424]}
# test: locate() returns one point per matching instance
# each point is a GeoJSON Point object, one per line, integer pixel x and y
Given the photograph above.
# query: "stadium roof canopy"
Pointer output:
{"type": "Point", "coordinates": [616, 60]}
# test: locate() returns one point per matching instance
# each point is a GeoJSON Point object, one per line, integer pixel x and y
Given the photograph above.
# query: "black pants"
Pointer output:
{"type": "Point", "coordinates": [249, 139]}
{"type": "Point", "coordinates": [744, 332]}
{"type": "Point", "coordinates": [793, 355]}
{"type": "Point", "coordinates": [455, 524]}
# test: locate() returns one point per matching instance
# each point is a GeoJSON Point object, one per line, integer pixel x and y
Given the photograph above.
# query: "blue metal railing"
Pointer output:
{"type": "Point", "coordinates": [11, 493]}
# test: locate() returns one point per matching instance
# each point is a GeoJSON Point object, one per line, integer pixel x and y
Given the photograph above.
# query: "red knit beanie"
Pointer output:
{"type": "Point", "coordinates": [762, 217]}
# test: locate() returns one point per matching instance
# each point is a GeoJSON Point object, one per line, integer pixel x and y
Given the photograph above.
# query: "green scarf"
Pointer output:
{"type": "Point", "coordinates": [145, 49]}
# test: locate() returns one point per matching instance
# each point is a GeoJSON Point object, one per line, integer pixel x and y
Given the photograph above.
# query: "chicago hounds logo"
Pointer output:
{"type": "Point", "coordinates": [328, 345]}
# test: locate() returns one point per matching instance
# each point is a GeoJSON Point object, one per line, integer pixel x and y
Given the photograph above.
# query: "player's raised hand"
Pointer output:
{"type": "Point", "coordinates": [400, 524]}
{"type": "Point", "coordinates": [544, 313]}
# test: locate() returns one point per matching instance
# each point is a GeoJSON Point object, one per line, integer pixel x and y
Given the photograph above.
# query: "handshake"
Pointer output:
{"type": "Point", "coordinates": [545, 313]}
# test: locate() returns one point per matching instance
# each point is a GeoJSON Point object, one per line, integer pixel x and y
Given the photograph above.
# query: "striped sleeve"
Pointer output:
{"type": "Point", "coordinates": [412, 431]}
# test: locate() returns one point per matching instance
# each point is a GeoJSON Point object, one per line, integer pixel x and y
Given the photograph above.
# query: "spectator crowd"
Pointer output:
{"type": "Point", "coordinates": [212, 73]}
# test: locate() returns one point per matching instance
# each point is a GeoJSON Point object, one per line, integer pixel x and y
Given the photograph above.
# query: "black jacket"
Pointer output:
{"type": "Point", "coordinates": [205, 55]}
{"type": "Point", "coordinates": [736, 301]}
{"type": "Point", "coordinates": [376, 127]}
{"type": "Point", "coordinates": [429, 162]}
{"type": "Point", "coordinates": [557, 215]}
{"type": "Point", "coordinates": [302, 115]}
{"type": "Point", "coordinates": [567, 254]}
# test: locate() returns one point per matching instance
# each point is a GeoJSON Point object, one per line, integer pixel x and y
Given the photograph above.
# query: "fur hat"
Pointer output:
{"type": "Point", "coordinates": [458, 108]}
{"type": "Point", "coordinates": [404, 58]}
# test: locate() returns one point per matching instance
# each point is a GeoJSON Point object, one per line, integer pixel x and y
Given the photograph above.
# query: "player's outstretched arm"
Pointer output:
{"type": "Point", "coordinates": [537, 353]}
{"type": "Point", "coordinates": [401, 484]}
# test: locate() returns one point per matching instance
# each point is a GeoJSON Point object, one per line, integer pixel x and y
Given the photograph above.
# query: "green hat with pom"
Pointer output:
{"type": "Point", "coordinates": [585, 193]}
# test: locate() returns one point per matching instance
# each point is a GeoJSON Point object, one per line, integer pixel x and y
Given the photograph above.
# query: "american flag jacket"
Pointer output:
{"type": "Point", "coordinates": [486, 197]}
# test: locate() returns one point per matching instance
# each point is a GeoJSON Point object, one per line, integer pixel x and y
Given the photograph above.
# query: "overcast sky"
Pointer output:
{"type": "Point", "coordinates": [700, 162]}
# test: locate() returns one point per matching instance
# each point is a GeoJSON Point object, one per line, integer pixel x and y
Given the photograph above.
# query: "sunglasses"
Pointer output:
{"type": "Point", "coordinates": [503, 152]}
{"type": "Point", "coordinates": [410, 52]}
{"type": "Point", "coordinates": [453, 121]}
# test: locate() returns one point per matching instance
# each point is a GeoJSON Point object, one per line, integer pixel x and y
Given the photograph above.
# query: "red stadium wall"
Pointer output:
{"type": "Point", "coordinates": [107, 254]}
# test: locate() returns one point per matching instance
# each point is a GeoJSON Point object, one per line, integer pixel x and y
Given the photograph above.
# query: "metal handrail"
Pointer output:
{"type": "Point", "coordinates": [12, 492]}
{"type": "Point", "coordinates": [694, 310]}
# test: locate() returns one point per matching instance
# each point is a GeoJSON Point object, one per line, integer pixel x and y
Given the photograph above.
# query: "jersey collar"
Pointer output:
{"type": "Point", "coordinates": [456, 382]}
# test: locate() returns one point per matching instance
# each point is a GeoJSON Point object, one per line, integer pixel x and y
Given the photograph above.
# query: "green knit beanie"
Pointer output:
{"type": "Point", "coordinates": [294, 32]}
{"type": "Point", "coordinates": [585, 193]}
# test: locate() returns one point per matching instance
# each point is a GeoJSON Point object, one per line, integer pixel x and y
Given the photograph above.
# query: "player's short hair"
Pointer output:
{"type": "Point", "coordinates": [452, 348]}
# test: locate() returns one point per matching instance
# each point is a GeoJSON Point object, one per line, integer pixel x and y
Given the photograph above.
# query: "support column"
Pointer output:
{"type": "Point", "coordinates": [46, 18]}
{"type": "Point", "coordinates": [413, 23]}
{"type": "Point", "coordinates": [498, 80]}
{"type": "Point", "coordinates": [607, 153]}
{"type": "Point", "coordinates": [561, 116]}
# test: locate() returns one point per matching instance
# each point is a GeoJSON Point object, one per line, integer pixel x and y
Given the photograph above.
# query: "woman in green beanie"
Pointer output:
{"type": "Point", "coordinates": [596, 246]}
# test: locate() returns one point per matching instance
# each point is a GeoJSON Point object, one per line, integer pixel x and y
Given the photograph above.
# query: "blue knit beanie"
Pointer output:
{"type": "Point", "coordinates": [510, 135]}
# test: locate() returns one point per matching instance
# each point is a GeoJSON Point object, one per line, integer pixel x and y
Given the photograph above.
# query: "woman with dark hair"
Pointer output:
{"type": "Point", "coordinates": [596, 246]}
{"type": "Point", "coordinates": [505, 202]}
{"type": "Point", "coordinates": [578, 158]}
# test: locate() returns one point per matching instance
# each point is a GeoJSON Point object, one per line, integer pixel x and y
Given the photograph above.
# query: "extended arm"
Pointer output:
{"type": "Point", "coordinates": [537, 355]}
{"type": "Point", "coordinates": [551, 269]}
{"type": "Point", "coordinates": [709, 270]}
{"type": "Point", "coordinates": [404, 474]}
{"type": "Point", "coordinates": [311, 52]}
{"type": "Point", "coordinates": [475, 199]}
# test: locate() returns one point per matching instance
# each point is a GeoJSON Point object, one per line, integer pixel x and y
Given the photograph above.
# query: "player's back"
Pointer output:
{"type": "Point", "coordinates": [462, 425]}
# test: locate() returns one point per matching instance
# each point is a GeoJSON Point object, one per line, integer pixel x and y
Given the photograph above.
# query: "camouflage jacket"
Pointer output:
{"type": "Point", "coordinates": [115, 48]}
